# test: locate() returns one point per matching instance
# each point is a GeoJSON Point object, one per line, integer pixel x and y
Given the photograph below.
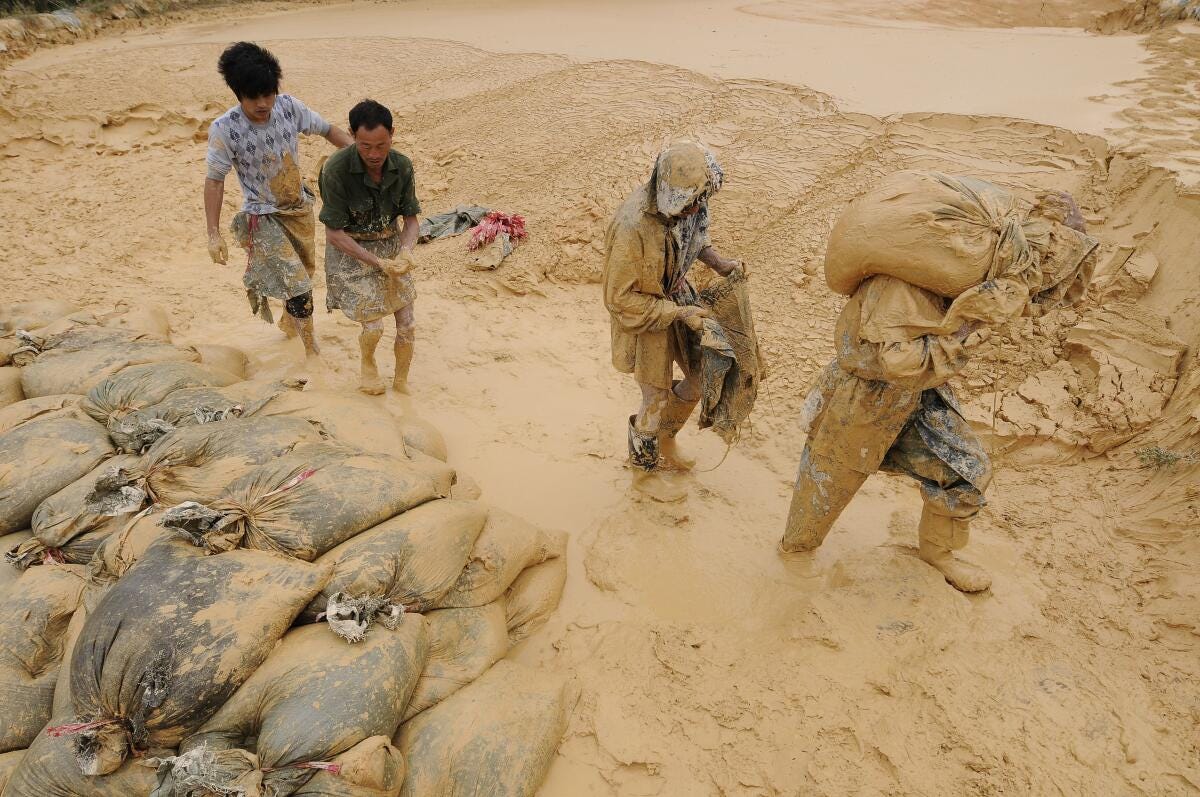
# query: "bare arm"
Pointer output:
{"type": "Point", "coordinates": [711, 258]}
{"type": "Point", "coordinates": [214, 195]}
{"type": "Point", "coordinates": [409, 233]}
{"type": "Point", "coordinates": [338, 137]}
{"type": "Point", "coordinates": [341, 240]}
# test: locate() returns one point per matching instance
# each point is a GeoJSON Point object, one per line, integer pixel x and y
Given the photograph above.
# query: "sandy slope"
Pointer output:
{"type": "Point", "coordinates": [709, 665]}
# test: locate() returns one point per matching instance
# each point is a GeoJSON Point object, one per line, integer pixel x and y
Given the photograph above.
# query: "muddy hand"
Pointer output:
{"type": "Point", "coordinates": [217, 249]}
{"type": "Point", "coordinates": [694, 318]}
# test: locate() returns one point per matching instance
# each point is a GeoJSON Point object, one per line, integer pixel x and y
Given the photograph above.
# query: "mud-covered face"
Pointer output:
{"type": "Point", "coordinates": [373, 145]}
{"type": "Point", "coordinates": [258, 109]}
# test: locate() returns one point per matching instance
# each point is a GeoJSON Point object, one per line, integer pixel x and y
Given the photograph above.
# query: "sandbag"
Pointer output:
{"type": "Point", "coordinates": [141, 386]}
{"type": "Point", "coordinates": [506, 546]}
{"type": "Point", "coordinates": [7, 347]}
{"type": "Point", "coordinates": [8, 765]}
{"type": "Point", "coordinates": [33, 623]}
{"type": "Point", "coordinates": [140, 317]}
{"type": "Point", "coordinates": [534, 596]}
{"type": "Point", "coordinates": [10, 386]}
{"type": "Point", "coordinates": [123, 548]}
{"type": "Point", "coordinates": [32, 314]}
{"type": "Point", "coordinates": [372, 768]}
{"type": "Point", "coordinates": [502, 731]}
{"type": "Point", "coordinates": [195, 463]}
{"type": "Point", "coordinates": [731, 366]}
{"type": "Point", "coordinates": [349, 418]}
{"type": "Point", "coordinates": [48, 769]}
{"type": "Point", "coordinates": [14, 415]}
{"type": "Point", "coordinates": [62, 368]}
{"type": "Point", "coordinates": [140, 429]}
{"type": "Point", "coordinates": [314, 698]}
{"type": "Point", "coordinates": [65, 516]}
{"type": "Point", "coordinates": [406, 562]}
{"type": "Point", "coordinates": [422, 435]}
{"type": "Point", "coordinates": [39, 458]}
{"type": "Point", "coordinates": [9, 572]}
{"type": "Point", "coordinates": [310, 500]}
{"type": "Point", "coordinates": [226, 359]}
{"type": "Point", "coordinates": [463, 645]}
{"type": "Point", "coordinates": [169, 643]}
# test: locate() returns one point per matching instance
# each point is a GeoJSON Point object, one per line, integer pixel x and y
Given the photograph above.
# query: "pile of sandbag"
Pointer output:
{"type": "Point", "coordinates": [218, 586]}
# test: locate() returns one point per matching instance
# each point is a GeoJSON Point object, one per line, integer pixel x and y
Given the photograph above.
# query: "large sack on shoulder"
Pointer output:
{"type": "Point", "coordinates": [403, 564]}
{"type": "Point", "coordinates": [9, 572]}
{"type": "Point", "coordinates": [48, 769]}
{"type": "Point", "coordinates": [39, 458]}
{"type": "Point", "coordinates": [534, 596]}
{"type": "Point", "coordinates": [195, 463]}
{"type": "Point", "coordinates": [314, 698]}
{"type": "Point", "coordinates": [33, 314]}
{"type": "Point", "coordinates": [349, 418]}
{"type": "Point", "coordinates": [308, 501]}
{"type": "Point", "coordinates": [192, 406]}
{"type": "Point", "coordinates": [168, 644]}
{"type": "Point", "coordinates": [65, 516]}
{"type": "Point", "coordinates": [65, 366]}
{"type": "Point", "coordinates": [33, 624]}
{"type": "Point", "coordinates": [947, 235]}
{"type": "Point", "coordinates": [372, 768]}
{"type": "Point", "coordinates": [14, 415]}
{"type": "Point", "coordinates": [141, 386]}
{"type": "Point", "coordinates": [10, 386]}
{"type": "Point", "coordinates": [506, 546]}
{"type": "Point", "coordinates": [8, 765]}
{"type": "Point", "coordinates": [463, 645]}
{"type": "Point", "coordinates": [502, 730]}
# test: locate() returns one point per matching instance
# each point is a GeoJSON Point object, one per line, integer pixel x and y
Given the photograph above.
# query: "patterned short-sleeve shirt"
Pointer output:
{"type": "Point", "coordinates": [265, 156]}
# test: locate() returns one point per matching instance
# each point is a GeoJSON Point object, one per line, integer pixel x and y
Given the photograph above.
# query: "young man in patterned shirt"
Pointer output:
{"type": "Point", "coordinates": [259, 139]}
{"type": "Point", "coordinates": [365, 189]}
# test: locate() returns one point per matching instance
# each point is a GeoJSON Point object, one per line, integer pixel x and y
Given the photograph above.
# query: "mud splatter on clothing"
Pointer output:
{"type": "Point", "coordinates": [361, 291]}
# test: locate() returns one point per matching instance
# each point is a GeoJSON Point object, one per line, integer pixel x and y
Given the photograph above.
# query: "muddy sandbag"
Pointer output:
{"type": "Point", "coordinates": [141, 317]}
{"type": "Point", "coordinates": [141, 386]}
{"type": "Point", "coordinates": [7, 347]}
{"type": "Point", "coordinates": [136, 431]}
{"type": "Point", "coordinates": [372, 768]}
{"type": "Point", "coordinates": [463, 645]}
{"type": "Point", "coordinates": [122, 549]}
{"type": "Point", "coordinates": [403, 564]}
{"type": "Point", "coordinates": [8, 765]}
{"type": "Point", "coordinates": [227, 359]}
{"type": "Point", "coordinates": [308, 501]}
{"type": "Point", "coordinates": [195, 463]}
{"type": "Point", "coordinates": [39, 458]}
{"type": "Point", "coordinates": [62, 368]}
{"type": "Point", "coordinates": [10, 386]}
{"type": "Point", "coordinates": [534, 596]}
{"type": "Point", "coordinates": [423, 436]}
{"type": "Point", "coordinates": [9, 572]}
{"type": "Point", "coordinates": [502, 730]}
{"type": "Point", "coordinates": [731, 365]}
{"type": "Point", "coordinates": [314, 698]}
{"type": "Point", "coordinates": [506, 546]}
{"type": "Point", "coordinates": [169, 643]}
{"type": "Point", "coordinates": [14, 415]}
{"type": "Point", "coordinates": [33, 314]}
{"type": "Point", "coordinates": [349, 418]}
{"type": "Point", "coordinates": [947, 235]}
{"type": "Point", "coordinates": [48, 769]}
{"type": "Point", "coordinates": [65, 516]}
{"type": "Point", "coordinates": [33, 623]}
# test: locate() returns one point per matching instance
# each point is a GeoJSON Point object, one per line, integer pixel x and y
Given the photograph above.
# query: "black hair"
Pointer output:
{"type": "Point", "coordinates": [369, 115]}
{"type": "Point", "coordinates": [249, 70]}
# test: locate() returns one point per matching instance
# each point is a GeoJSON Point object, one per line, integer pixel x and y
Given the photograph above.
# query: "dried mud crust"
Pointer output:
{"type": "Point", "coordinates": [707, 665]}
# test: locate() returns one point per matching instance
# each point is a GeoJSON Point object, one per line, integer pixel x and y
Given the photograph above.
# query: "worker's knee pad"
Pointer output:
{"type": "Point", "coordinates": [300, 306]}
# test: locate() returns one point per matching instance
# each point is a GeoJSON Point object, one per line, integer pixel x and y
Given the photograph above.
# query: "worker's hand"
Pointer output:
{"type": "Point", "coordinates": [693, 318]}
{"type": "Point", "coordinates": [727, 267]}
{"type": "Point", "coordinates": [217, 249]}
{"type": "Point", "coordinates": [395, 267]}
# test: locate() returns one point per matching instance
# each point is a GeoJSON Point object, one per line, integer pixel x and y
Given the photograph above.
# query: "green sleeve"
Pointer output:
{"type": "Point", "coordinates": [335, 208]}
{"type": "Point", "coordinates": [409, 206]}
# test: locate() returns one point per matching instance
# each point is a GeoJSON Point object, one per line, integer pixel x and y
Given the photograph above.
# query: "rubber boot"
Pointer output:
{"type": "Point", "coordinates": [287, 325]}
{"type": "Point", "coordinates": [822, 491]}
{"type": "Point", "coordinates": [644, 457]}
{"type": "Point", "coordinates": [674, 418]}
{"type": "Point", "coordinates": [939, 537]}
{"type": "Point", "coordinates": [369, 381]}
{"type": "Point", "coordinates": [404, 357]}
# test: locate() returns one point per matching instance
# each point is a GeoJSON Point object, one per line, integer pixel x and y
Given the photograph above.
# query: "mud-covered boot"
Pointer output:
{"type": "Point", "coordinates": [644, 458]}
{"type": "Point", "coordinates": [368, 379]}
{"type": "Point", "coordinates": [940, 536]}
{"type": "Point", "coordinates": [674, 418]}
{"type": "Point", "coordinates": [404, 358]}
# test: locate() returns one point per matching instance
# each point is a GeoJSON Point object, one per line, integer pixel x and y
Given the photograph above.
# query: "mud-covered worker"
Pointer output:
{"type": "Point", "coordinates": [364, 190]}
{"type": "Point", "coordinates": [652, 242]}
{"type": "Point", "coordinates": [259, 138]}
